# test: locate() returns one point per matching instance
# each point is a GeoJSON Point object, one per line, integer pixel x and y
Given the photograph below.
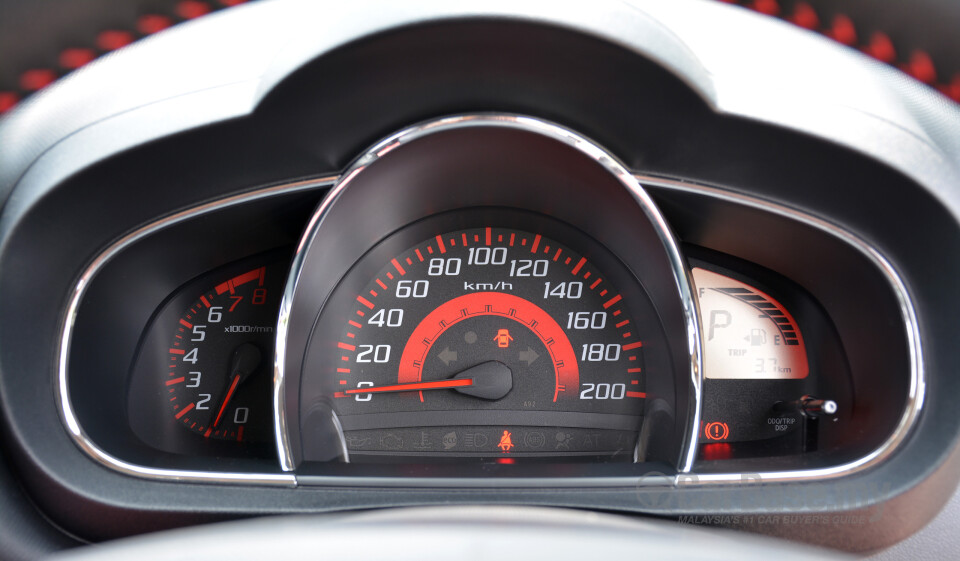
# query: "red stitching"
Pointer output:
{"type": "Point", "coordinates": [841, 29]}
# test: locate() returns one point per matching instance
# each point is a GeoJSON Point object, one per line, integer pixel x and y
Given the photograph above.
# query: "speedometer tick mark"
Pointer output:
{"type": "Point", "coordinates": [396, 265]}
{"type": "Point", "coordinates": [487, 235]}
{"type": "Point", "coordinates": [536, 244]}
{"type": "Point", "coordinates": [419, 255]}
{"type": "Point", "coordinates": [633, 346]}
{"type": "Point", "coordinates": [578, 266]}
{"type": "Point", "coordinates": [355, 324]}
{"type": "Point", "coordinates": [380, 283]}
{"type": "Point", "coordinates": [365, 302]}
{"type": "Point", "coordinates": [595, 283]}
{"type": "Point", "coordinates": [611, 301]}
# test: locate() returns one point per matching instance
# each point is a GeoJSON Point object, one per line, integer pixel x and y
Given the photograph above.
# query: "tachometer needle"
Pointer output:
{"type": "Point", "coordinates": [487, 380]}
{"type": "Point", "coordinates": [246, 360]}
{"type": "Point", "coordinates": [226, 400]}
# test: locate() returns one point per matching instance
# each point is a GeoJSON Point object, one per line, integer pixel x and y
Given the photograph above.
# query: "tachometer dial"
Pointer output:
{"type": "Point", "coordinates": [485, 341]}
{"type": "Point", "coordinates": [218, 381]}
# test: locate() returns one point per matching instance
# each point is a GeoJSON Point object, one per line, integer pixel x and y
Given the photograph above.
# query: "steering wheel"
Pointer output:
{"type": "Point", "coordinates": [77, 35]}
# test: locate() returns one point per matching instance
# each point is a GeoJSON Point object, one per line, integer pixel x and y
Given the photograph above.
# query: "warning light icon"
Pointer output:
{"type": "Point", "coordinates": [716, 431]}
{"type": "Point", "coordinates": [506, 443]}
{"type": "Point", "coordinates": [503, 338]}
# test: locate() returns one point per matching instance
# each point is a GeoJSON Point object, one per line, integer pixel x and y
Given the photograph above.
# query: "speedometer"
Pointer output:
{"type": "Point", "coordinates": [486, 315]}
{"type": "Point", "coordinates": [486, 341]}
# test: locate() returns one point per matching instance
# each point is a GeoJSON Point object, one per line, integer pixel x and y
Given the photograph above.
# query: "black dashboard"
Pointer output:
{"type": "Point", "coordinates": [297, 259]}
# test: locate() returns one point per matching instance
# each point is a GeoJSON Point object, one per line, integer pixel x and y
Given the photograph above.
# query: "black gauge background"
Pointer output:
{"type": "Point", "coordinates": [737, 401]}
{"type": "Point", "coordinates": [315, 400]}
{"type": "Point", "coordinates": [151, 416]}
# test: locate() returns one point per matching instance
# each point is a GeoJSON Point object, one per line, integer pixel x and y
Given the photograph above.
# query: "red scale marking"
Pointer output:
{"type": "Point", "coordinates": [365, 302]}
{"type": "Point", "coordinates": [635, 382]}
{"type": "Point", "coordinates": [578, 266]}
{"type": "Point", "coordinates": [633, 345]}
{"type": "Point", "coordinates": [346, 347]}
{"type": "Point", "coordinates": [440, 245]}
{"type": "Point", "coordinates": [557, 256]}
{"type": "Point", "coordinates": [176, 381]}
{"type": "Point", "coordinates": [586, 275]}
{"type": "Point", "coordinates": [352, 335]}
{"type": "Point", "coordinates": [627, 335]}
{"type": "Point", "coordinates": [373, 293]}
{"type": "Point", "coordinates": [633, 370]}
{"type": "Point", "coordinates": [419, 255]}
{"type": "Point", "coordinates": [633, 358]}
{"type": "Point", "coordinates": [339, 395]}
{"type": "Point", "coordinates": [430, 249]}
{"type": "Point", "coordinates": [476, 238]}
{"type": "Point", "coordinates": [487, 235]}
{"type": "Point", "coordinates": [512, 238]}
{"type": "Point", "coordinates": [184, 411]}
{"type": "Point", "coordinates": [186, 324]}
{"type": "Point", "coordinates": [360, 313]}
{"type": "Point", "coordinates": [567, 262]}
{"type": "Point", "coordinates": [616, 313]}
{"type": "Point", "coordinates": [355, 324]}
{"type": "Point", "coordinates": [178, 351]}
{"type": "Point", "coordinates": [410, 261]}
{"type": "Point", "coordinates": [381, 285]}
{"type": "Point", "coordinates": [611, 301]}
{"type": "Point", "coordinates": [640, 395]}
{"type": "Point", "coordinates": [397, 266]}
{"type": "Point", "coordinates": [464, 236]}
{"type": "Point", "coordinates": [345, 358]}
{"type": "Point", "coordinates": [536, 244]}
{"type": "Point", "coordinates": [523, 242]}
{"type": "Point", "coordinates": [343, 382]}
{"type": "Point", "coordinates": [343, 370]}
{"type": "Point", "coordinates": [595, 283]}
{"type": "Point", "coordinates": [622, 323]}
{"type": "Point", "coordinates": [390, 276]}
{"type": "Point", "coordinates": [499, 237]}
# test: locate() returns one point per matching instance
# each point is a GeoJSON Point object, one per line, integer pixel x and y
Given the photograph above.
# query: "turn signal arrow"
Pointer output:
{"type": "Point", "coordinates": [447, 356]}
{"type": "Point", "coordinates": [528, 356]}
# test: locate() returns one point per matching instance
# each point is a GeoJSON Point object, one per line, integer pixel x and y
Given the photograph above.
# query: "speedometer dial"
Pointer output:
{"type": "Point", "coordinates": [485, 341]}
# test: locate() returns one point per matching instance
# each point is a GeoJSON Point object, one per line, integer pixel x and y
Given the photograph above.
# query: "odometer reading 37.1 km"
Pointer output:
{"type": "Point", "coordinates": [486, 342]}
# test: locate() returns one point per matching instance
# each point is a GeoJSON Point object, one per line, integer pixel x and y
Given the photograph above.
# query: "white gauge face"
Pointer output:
{"type": "Point", "coordinates": [747, 334]}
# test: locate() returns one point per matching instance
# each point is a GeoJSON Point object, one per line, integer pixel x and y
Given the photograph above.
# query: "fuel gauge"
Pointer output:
{"type": "Point", "coordinates": [747, 333]}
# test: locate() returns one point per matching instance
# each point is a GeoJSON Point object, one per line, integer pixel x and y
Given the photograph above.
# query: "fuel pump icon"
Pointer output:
{"type": "Point", "coordinates": [758, 337]}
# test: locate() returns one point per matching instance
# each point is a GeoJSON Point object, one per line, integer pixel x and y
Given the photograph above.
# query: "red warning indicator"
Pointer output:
{"type": "Point", "coordinates": [503, 338]}
{"type": "Point", "coordinates": [716, 431]}
{"type": "Point", "coordinates": [506, 443]}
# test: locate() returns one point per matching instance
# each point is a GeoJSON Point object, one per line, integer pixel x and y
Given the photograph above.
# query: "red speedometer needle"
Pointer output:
{"type": "Point", "coordinates": [415, 386]}
{"type": "Point", "coordinates": [487, 380]}
{"type": "Point", "coordinates": [226, 400]}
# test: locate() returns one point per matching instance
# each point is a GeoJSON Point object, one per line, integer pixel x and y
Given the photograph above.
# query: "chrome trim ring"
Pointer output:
{"type": "Point", "coordinates": [681, 274]}
{"type": "Point", "coordinates": [917, 390]}
{"type": "Point", "coordinates": [62, 395]}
